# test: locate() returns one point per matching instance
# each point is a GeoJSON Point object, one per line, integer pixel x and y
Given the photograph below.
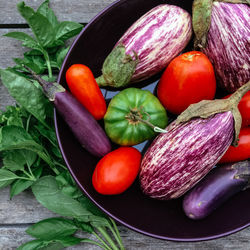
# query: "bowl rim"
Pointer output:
{"type": "Point", "coordinates": [136, 229]}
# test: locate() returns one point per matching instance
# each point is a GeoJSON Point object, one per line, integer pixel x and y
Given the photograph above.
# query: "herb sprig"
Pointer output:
{"type": "Point", "coordinates": [28, 145]}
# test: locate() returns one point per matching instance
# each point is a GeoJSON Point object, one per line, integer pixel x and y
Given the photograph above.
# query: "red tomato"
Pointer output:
{"type": "Point", "coordinates": [244, 108]}
{"type": "Point", "coordinates": [116, 171]}
{"type": "Point", "coordinates": [83, 86]}
{"type": "Point", "coordinates": [240, 153]}
{"type": "Point", "coordinates": [189, 78]}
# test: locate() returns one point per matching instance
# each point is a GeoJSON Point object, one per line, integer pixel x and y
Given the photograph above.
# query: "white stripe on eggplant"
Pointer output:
{"type": "Point", "coordinates": [157, 37]}
{"type": "Point", "coordinates": [177, 160]}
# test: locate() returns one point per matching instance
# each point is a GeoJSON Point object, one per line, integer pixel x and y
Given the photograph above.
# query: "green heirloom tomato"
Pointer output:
{"type": "Point", "coordinates": [133, 116]}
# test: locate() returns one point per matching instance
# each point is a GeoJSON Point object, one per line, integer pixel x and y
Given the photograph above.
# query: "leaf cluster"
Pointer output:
{"type": "Point", "coordinates": [47, 45]}
{"type": "Point", "coordinates": [31, 158]}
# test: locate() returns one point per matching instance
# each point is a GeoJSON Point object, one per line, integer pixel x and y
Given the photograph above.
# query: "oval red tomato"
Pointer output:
{"type": "Point", "coordinates": [116, 171]}
{"type": "Point", "coordinates": [244, 108]}
{"type": "Point", "coordinates": [189, 78]}
{"type": "Point", "coordinates": [84, 87]}
{"type": "Point", "coordinates": [242, 151]}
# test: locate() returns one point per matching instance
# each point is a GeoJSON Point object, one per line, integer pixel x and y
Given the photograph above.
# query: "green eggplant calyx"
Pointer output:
{"type": "Point", "coordinates": [49, 88]}
{"type": "Point", "coordinates": [207, 108]}
{"type": "Point", "coordinates": [118, 68]}
{"type": "Point", "coordinates": [201, 19]}
{"type": "Point", "coordinates": [234, 1]}
{"type": "Point", "coordinates": [135, 116]}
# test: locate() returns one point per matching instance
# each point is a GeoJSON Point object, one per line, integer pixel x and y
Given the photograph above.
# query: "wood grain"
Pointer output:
{"type": "Point", "coordinates": [17, 214]}
{"type": "Point", "coordinates": [70, 10]}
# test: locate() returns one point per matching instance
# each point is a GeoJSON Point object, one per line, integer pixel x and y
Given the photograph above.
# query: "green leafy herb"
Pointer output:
{"type": "Point", "coordinates": [28, 145]}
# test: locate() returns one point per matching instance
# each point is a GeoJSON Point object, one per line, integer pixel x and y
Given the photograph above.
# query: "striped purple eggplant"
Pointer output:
{"type": "Point", "coordinates": [191, 147]}
{"type": "Point", "coordinates": [177, 160]}
{"type": "Point", "coordinates": [228, 43]}
{"type": "Point", "coordinates": [147, 46]}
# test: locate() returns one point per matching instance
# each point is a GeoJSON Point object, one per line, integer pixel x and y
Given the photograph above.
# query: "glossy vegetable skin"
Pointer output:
{"type": "Point", "coordinates": [147, 46]}
{"type": "Point", "coordinates": [116, 171]}
{"type": "Point", "coordinates": [83, 125]}
{"type": "Point", "coordinates": [230, 25]}
{"type": "Point", "coordinates": [189, 78]}
{"type": "Point", "coordinates": [127, 113]}
{"type": "Point", "coordinates": [242, 151]}
{"type": "Point", "coordinates": [180, 158]}
{"type": "Point", "coordinates": [244, 108]}
{"type": "Point", "coordinates": [215, 188]}
{"type": "Point", "coordinates": [83, 86]}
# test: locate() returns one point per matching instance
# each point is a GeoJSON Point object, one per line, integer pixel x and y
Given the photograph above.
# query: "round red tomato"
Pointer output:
{"type": "Point", "coordinates": [244, 108]}
{"type": "Point", "coordinates": [189, 78]}
{"type": "Point", "coordinates": [242, 151]}
{"type": "Point", "coordinates": [116, 171]}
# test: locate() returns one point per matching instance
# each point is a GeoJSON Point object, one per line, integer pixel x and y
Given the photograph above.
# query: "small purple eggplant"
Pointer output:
{"type": "Point", "coordinates": [215, 188]}
{"type": "Point", "coordinates": [83, 125]}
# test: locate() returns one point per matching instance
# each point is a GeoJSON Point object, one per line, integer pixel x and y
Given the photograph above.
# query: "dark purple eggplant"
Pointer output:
{"type": "Point", "coordinates": [191, 147]}
{"type": "Point", "coordinates": [215, 188]}
{"type": "Point", "coordinates": [83, 125]}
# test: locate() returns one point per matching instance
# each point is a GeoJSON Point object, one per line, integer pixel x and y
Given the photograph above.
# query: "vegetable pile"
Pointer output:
{"type": "Point", "coordinates": [204, 134]}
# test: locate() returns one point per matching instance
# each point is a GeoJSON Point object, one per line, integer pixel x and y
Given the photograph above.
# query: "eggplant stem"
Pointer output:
{"type": "Point", "coordinates": [49, 88]}
{"type": "Point", "coordinates": [237, 95]}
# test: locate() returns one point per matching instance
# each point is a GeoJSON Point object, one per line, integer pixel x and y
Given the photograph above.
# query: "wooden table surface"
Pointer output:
{"type": "Point", "coordinates": [23, 210]}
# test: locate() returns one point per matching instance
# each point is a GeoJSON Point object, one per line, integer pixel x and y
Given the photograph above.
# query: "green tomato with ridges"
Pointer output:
{"type": "Point", "coordinates": [133, 116]}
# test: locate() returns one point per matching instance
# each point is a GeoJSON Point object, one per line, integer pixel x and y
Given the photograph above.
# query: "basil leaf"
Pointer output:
{"type": "Point", "coordinates": [14, 137]}
{"type": "Point", "coordinates": [67, 29]}
{"type": "Point", "coordinates": [5, 183]}
{"type": "Point", "coordinates": [69, 241]}
{"type": "Point", "coordinates": [89, 205]}
{"type": "Point", "coordinates": [42, 29]}
{"type": "Point", "coordinates": [25, 11]}
{"type": "Point", "coordinates": [47, 192]}
{"type": "Point", "coordinates": [31, 245]}
{"type": "Point", "coordinates": [20, 88]}
{"type": "Point", "coordinates": [40, 25]}
{"type": "Point", "coordinates": [46, 11]}
{"type": "Point", "coordinates": [36, 63]}
{"type": "Point", "coordinates": [19, 186]}
{"type": "Point", "coordinates": [52, 246]}
{"type": "Point", "coordinates": [12, 116]}
{"type": "Point", "coordinates": [52, 228]}
{"type": "Point", "coordinates": [60, 55]}
{"type": "Point", "coordinates": [85, 227]}
{"type": "Point", "coordinates": [16, 159]}
{"type": "Point", "coordinates": [98, 221]}
{"type": "Point", "coordinates": [49, 134]}
{"type": "Point", "coordinates": [6, 175]}
{"type": "Point", "coordinates": [27, 40]}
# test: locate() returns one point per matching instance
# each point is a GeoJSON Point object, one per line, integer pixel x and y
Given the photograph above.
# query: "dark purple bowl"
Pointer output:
{"type": "Point", "coordinates": [160, 219]}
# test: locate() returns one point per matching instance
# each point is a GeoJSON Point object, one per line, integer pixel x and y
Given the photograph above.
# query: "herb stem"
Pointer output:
{"type": "Point", "coordinates": [117, 234]}
{"type": "Point", "coordinates": [33, 177]}
{"type": "Point", "coordinates": [107, 237]}
{"type": "Point", "coordinates": [28, 123]}
{"type": "Point", "coordinates": [27, 174]}
{"type": "Point", "coordinates": [93, 242]}
{"type": "Point", "coordinates": [60, 165]}
{"type": "Point", "coordinates": [102, 241]}
{"type": "Point", "coordinates": [46, 56]}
